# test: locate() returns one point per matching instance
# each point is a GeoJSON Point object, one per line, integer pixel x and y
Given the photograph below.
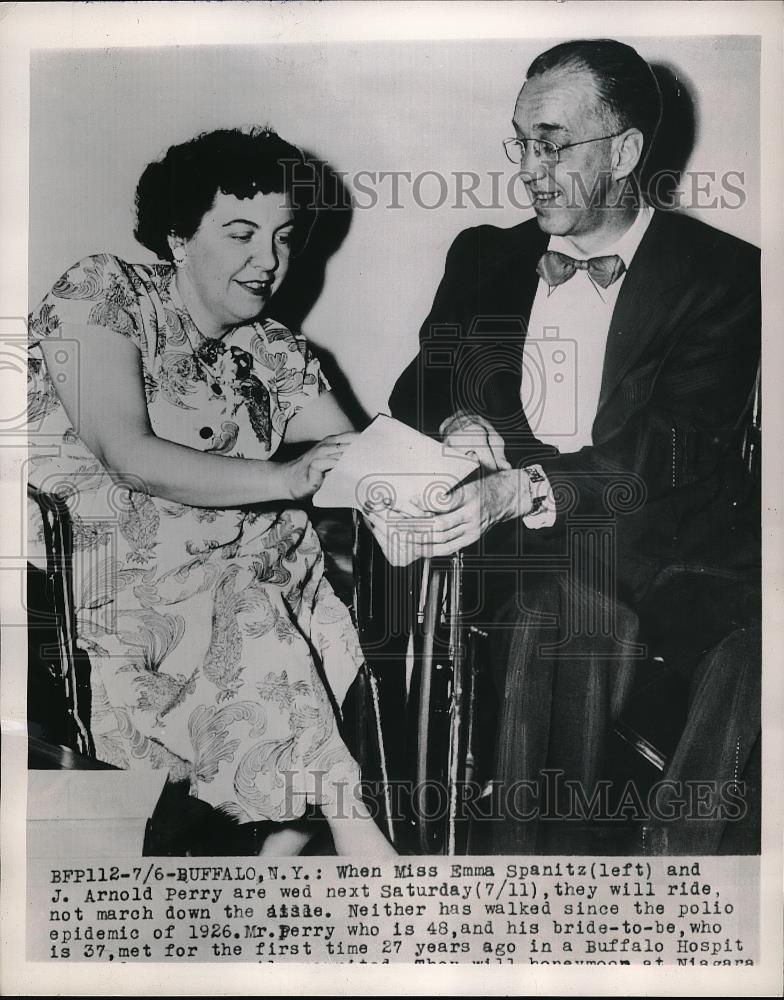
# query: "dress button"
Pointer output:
{"type": "Point", "coordinates": [205, 432]}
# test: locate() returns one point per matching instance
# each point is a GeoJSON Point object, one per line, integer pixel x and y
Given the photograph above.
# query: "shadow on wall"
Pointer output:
{"type": "Point", "coordinates": [305, 280]}
{"type": "Point", "coordinates": [675, 140]}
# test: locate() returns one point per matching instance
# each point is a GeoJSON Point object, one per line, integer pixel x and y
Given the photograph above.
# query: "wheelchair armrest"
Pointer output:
{"type": "Point", "coordinates": [60, 660]}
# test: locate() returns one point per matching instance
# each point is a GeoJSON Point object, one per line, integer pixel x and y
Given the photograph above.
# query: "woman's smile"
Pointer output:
{"type": "Point", "coordinates": [256, 286]}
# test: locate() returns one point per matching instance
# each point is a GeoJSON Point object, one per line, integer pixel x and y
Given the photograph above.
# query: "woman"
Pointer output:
{"type": "Point", "coordinates": [218, 647]}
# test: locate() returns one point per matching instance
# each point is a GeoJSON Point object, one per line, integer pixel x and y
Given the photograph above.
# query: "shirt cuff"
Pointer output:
{"type": "Point", "coordinates": [542, 513]}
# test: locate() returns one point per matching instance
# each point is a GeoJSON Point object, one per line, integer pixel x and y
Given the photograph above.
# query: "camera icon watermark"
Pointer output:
{"type": "Point", "coordinates": [520, 380]}
{"type": "Point", "coordinates": [23, 411]}
{"type": "Point", "coordinates": [549, 383]}
{"type": "Point", "coordinates": [408, 496]}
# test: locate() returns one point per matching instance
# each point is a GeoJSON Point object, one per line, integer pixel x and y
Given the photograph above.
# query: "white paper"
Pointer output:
{"type": "Point", "coordinates": [390, 465]}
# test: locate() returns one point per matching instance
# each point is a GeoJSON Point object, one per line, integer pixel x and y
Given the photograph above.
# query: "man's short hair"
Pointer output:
{"type": "Point", "coordinates": [625, 83]}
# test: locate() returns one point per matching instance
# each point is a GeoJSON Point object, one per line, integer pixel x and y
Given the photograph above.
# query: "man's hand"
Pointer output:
{"type": "Point", "coordinates": [475, 437]}
{"type": "Point", "coordinates": [477, 507]}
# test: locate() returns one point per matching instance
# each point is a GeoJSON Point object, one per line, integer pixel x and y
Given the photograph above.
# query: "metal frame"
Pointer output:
{"type": "Point", "coordinates": [449, 662]}
{"type": "Point", "coordinates": [442, 696]}
{"type": "Point", "coordinates": [58, 539]}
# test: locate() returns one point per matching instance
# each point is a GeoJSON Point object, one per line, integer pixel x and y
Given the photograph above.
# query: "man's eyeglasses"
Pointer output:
{"type": "Point", "coordinates": [543, 149]}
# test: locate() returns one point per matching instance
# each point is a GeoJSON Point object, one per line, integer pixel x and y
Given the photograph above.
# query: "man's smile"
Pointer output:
{"type": "Point", "coordinates": [544, 199]}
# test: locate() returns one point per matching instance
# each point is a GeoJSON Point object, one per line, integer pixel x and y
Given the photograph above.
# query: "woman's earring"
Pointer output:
{"type": "Point", "coordinates": [180, 257]}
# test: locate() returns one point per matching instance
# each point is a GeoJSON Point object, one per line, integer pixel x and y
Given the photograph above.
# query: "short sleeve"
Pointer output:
{"type": "Point", "coordinates": [298, 374]}
{"type": "Point", "coordinates": [98, 291]}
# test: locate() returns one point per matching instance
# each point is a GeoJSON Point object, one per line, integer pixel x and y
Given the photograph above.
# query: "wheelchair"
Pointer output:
{"type": "Point", "coordinates": [59, 693]}
{"type": "Point", "coordinates": [447, 660]}
{"type": "Point", "coordinates": [58, 675]}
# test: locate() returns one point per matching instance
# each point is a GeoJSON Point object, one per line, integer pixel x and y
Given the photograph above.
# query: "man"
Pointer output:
{"type": "Point", "coordinates": [599, 361]}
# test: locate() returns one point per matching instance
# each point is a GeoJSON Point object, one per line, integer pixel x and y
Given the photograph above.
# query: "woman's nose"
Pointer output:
{"type": "Point", "coordinates": [263, 255]}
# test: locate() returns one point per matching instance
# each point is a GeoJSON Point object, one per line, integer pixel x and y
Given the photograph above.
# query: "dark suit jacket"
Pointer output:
{"type": "Point", "coordinates": [679, 370]}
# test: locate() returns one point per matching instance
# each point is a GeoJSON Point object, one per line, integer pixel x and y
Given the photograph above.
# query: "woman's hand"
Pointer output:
{"type": "Point", "coordinates": [304, 475]}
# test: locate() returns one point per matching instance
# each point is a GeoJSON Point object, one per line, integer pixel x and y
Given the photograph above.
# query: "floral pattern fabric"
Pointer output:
{"type": "Point", "coordinates": [219, 649]}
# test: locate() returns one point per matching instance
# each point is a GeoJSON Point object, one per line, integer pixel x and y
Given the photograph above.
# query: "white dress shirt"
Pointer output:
{"type": "Point", "coordinates": [564, 350]}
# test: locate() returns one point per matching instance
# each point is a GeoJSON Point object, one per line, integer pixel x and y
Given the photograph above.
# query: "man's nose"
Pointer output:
{"type": "Point", "coordinates": [532, 167]}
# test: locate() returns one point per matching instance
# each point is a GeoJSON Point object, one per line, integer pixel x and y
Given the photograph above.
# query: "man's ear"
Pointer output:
{"type": "Point", "coordinates": [627, 151]}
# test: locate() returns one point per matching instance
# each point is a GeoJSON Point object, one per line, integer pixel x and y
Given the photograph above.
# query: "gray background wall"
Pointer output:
{"type": "Point", "coordinates": [98, 116]}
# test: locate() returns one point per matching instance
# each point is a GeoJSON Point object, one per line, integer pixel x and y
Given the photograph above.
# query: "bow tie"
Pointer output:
{"type": "Point", "coordinates": [556, 268]}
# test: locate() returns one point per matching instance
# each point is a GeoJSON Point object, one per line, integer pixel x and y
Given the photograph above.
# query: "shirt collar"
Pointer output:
{"type": "Point", "coordinates": [625, 246]}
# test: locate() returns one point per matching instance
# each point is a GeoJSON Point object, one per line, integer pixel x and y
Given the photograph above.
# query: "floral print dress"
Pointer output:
{"type": "Point", "coordinates": [219, 649]}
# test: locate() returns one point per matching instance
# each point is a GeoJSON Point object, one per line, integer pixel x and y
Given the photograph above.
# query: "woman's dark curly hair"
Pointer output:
{"type": "Point", "coordinates": [174, 193]}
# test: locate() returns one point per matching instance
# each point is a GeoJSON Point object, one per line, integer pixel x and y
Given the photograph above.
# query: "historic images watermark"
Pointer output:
{"type": "Point", "coordinates": [549, 797]}
{"type": "Point", "coordinates": [317, 185]}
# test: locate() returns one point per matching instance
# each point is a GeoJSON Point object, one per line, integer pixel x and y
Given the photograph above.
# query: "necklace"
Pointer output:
{"type": "Point", "coordinates": [206, 350]}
